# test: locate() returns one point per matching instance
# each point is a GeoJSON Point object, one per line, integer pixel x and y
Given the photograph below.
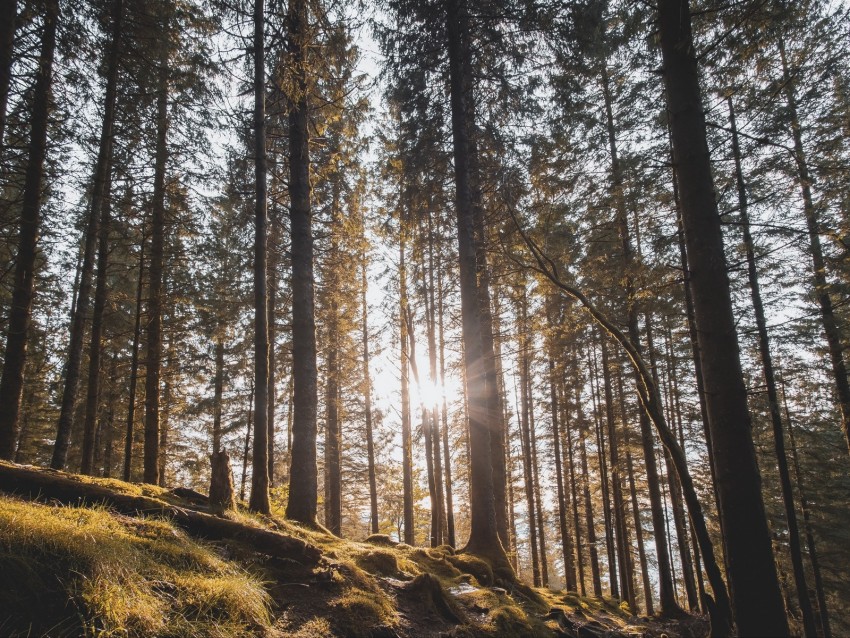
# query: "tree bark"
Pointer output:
{"type": "Point", "coordinates": [303, 483]}
{"type": "Point", "coordinates": [563, 501]}
{"type": "Point", "coordinates": [756, 597]}
{"type": "Point", "coordinates": [20, 312]}
{"type": "Point", "coordinates": [134, 367]}
{"type": "Point", "coordinates": [525, 429]}
{"type": "Point", "coordinates": [406, 437]}
{"type": "Point", "coordinates": [367, 397]}
{"type": "Point", "coordinates": [450, 516]}
{"type": "Point", "coordinates": [218, 390]}
{"type": "Point", "coordinates": [96, 346]}
{"type": "Point", "coordinates": [573, 494]}
{"type": "Point", "coordinates": [484, 535]}
{"type": "Point", "coordinates": [154, 318]}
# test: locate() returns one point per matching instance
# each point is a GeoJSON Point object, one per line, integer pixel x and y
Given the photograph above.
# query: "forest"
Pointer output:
{"type": "Point", "coordinates": [549, 297]}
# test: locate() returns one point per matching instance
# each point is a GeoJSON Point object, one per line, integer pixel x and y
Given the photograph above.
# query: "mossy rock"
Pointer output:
{"type": "Point", "coordinates": [381, 540]}
{"type": "Point", "coordinates": [479, 568]}
{"type": "Point", "coordinates": [446, 549]}
{"type": "Point", "coordinates": [380, 562]}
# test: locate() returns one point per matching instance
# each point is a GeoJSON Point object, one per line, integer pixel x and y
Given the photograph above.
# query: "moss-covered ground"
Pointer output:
{"type": "Point", "coordinates": [88, 571]}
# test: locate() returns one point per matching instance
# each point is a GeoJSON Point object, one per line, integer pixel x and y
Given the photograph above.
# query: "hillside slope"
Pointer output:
{"type": "Point", "coordinates": [82, 556]}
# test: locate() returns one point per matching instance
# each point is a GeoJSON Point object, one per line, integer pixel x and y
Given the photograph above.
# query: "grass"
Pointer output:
{"type": "Point", "coordinates": [86, 571]}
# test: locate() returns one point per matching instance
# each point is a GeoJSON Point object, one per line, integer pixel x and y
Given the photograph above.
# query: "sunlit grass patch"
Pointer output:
{"type": "Point", "coordinates": [73, 571]}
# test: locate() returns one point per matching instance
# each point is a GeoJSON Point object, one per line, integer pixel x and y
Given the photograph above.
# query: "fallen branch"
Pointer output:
{"type": "Point", "coordinates": [35, 484]}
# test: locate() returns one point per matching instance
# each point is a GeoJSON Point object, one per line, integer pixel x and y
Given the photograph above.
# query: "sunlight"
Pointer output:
{"type": "Point", "coordinates": [431, 394]}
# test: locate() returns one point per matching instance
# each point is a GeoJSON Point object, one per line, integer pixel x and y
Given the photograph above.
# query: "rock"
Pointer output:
{"type": "Point", "coordinates": [382, 540]}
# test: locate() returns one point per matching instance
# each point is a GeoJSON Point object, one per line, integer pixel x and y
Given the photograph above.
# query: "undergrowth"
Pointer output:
{"type": "Point", "coordinates": [70, 571]}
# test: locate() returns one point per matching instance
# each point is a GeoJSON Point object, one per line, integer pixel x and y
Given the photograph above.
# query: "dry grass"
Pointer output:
{"type": "Point", "coordinates": [86, 571]}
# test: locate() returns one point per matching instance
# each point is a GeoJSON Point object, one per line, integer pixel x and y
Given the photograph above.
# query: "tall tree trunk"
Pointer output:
{"type": "Point", "coordinates": [484, 535]}
{"type": "Point", "coordinates": [96, 346]}
{"type": "Point", "coordinates": [333, 439]}
{"type": "Point", "coordinates": [134, 367]}
{"type": "Point", "coordinates": [165, 430]}
{"type": "Point", "coordinates": [8, 15]}
{"type": "Point", "coordinates": [429, 293]}
{"type": "Point", "coordinates": [303, 483]}
{"type": "Point", "coordinates": [563, 501]}
{"type": "Point", "coordinates": [20, 312]}
{"type": "Point", "coordinates": [102, 169]}
{"type": "Point", "coordinates": [588, 510]}
{"type": "Point", "coordinates": [772, 394]}
{"type": "Point", "coordinates": [109, 418]}
{"type": "Point", "coordinates": [756, 597]}
{"type": "Point", "coordinates": [619, 512]}
{"type": "Point", "coordinates": [823, 612]}
{"type": "Point", "coordinates": [272, 267]}
{"type": "Point", "coordinates": [450, 516]}
{"type": "Point", "coordinates": [644, 566]}
{"type": "Point", "coordinates": [248, 430]}
{"type": "Point", "coordinates": [406, 437]}
{"type": "Point", "coordinates": [538, 501]}
{"type": "Point", "coordinates": [427, 425]}
{"type": "Point", "coordinates": [507, 533]}
{"type": "Point", "coordinates": [154, 318]}
{"type": "Point", "coordinates": [218, 391]}
{"type": "Point", "coordinates": [573, 493]}
{"type": "Point", "coordinates": [525, 428]}
{"type": "Point", "coordinates": [610, 541]}
{"type": "Point", "coordinates": [259, 499]}
{"type": "Point", "coordinates": [830, 325]}
{"type": "Point", "coordinates": [367, 397]}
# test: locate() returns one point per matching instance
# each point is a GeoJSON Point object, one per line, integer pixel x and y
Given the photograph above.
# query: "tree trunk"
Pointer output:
{"type": "Point", "coordinates": [538, 501]}
{"type": "Point", "coordinates": [406, 438]}
{"type": "Point", "coordinates": [573, 494]}
{"type": "Point", "coordinates": [525, 429]}
{"type": "Point", "coordinates": [484, 535]}
{"type": "Point", "coordinates": [821, 287]}
{"type": "Point", "coordinates": [134, 367]}
{"type": "Point", "coordinates": [218, 390]}
{"type": "Point", "coordinates": [333, 440]}
{"type": "Point", "coordinates": [20, 312]}
{"type": "Point", "coordinates": [450, 516]}
{"type": "Point", "coordinates": [96, 346]}
{"type": "Point", "coordinates": [248, 429]}
{"type": "Point", "coordinates": [563, 502]}
{"type": "Point", "coordinates": [272, 267]}
{"type": "Point", "coordinates": [756, 597]}
{"type": "Point", "coordinates": [259, 500]}
{"type": "Point", "coordinates": [823, 612]}
{"type": "Point", "coordinates": [623, 542]}
{"type": "Point", "coordinates": [103, 167]}
{"type": "Point", "coordinates": [603, 474]}
{"type": "Point", "coordinates": [644, 566]}
{"type": "Point", "coordinates": [588, 510]}
{"type": "Point", "coordinates": [154, 318]}
{"type": "Point", "coordinates": [367, 397]}
{"type": "Point", "coordinates": [303, 483]}
{"type": "Point", "coordinates": [794, 548]}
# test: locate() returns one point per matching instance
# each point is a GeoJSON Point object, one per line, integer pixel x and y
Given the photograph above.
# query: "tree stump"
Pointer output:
{"type": "Point", "coordinates": [221, 483]}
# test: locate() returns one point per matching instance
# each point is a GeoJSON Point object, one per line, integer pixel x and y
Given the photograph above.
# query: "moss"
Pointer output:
{"type": "Point", "coordinates": [71, 571]}
{"type": "Point", "coordinates": [475, 566]}
{"type": "Point", "coordinates": [382, 540]}
{"type": "Point", "coordinates": [380, 562]}
{"type": "Point", "coordinates": [356, 613]}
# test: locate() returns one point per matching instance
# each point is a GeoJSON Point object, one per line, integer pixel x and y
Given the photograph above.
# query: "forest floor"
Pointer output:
{"type": "Point", "coordinates": [84, 556]}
